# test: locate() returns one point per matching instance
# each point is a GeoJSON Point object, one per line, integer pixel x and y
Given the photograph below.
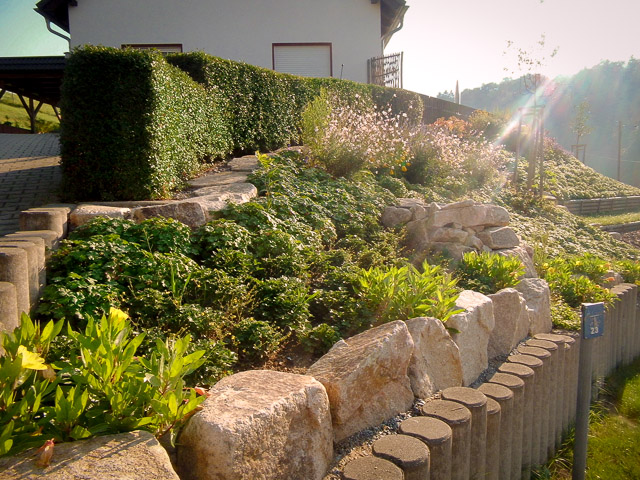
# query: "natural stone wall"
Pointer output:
{"type": "Point", "coordinates": [457, 228]}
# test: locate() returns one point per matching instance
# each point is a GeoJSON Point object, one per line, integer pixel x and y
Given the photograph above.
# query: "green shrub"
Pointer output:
{"type": "Point", "coordinates": [401, 293]}
{"type": "Point", "coordinates": [630, 270]}
{"type": "Point", "coordinates": [134, 127]}
{"type": "Point", "coordinates": [487, 272]}
{"type": "Point", "coordinates": [257, 339]}
{"type": "Point", "coordinates": [284, 302]}
{"type": "Point", "coordinates": [567, 279]}
{"type": "Point", "coordinates": [100, 386]}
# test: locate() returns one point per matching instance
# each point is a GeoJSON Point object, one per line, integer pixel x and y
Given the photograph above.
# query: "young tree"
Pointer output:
{"type": "Point", "coordinates": [579, 124]}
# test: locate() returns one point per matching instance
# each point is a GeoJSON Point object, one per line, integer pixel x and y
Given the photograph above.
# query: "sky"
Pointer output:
{"type": "Point", "coordinates": [444, 41]}
{"type": "Point", "coordinates": [464, 40]}
{"type": "Point", "coordinates": [24, 33]}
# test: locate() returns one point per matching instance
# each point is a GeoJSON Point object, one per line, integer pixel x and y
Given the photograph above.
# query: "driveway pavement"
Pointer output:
{"type": "Point", "coordinates": [29, 175]}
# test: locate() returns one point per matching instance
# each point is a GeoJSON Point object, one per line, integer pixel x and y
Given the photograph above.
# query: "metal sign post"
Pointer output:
{"type": "Point", "coordinates": [592, 327]}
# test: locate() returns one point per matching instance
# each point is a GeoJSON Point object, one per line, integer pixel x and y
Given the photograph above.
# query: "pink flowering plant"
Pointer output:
{"type": "Point", "coordinates": [343, 138]}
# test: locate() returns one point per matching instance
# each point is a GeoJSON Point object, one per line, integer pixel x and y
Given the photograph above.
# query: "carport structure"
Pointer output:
{"type": "Point", "coordinates": [36, 81]}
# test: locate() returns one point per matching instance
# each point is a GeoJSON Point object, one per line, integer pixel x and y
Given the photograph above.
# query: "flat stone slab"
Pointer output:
{"type": "Point", "coordinates": [126, 456]}
{"type": "Point", "coordinates": [220, 178]}
{"type": "Point", "coordinates": [248, 163]}
{"type": "Point", "coordinates": [235, 191]}
{"type": "Point", "coordinates": [84, 213]}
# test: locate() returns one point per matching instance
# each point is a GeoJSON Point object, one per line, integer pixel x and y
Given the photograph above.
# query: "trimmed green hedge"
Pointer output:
{"type": "Point", "coordinates": [134, 127]}
{"type": "Point", "coordinates": [265, 107]}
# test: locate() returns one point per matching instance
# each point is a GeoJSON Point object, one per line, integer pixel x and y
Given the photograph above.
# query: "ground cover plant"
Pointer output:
{"type": "Point", "coordinates": [283, 272]}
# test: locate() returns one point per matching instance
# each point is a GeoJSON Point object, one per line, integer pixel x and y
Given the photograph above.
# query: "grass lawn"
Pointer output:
{"type": "Point", "coordinates": [613, 219]}
{"type": "Point", "coordinates": [614, 433]}
{"type": "Point", "coordinates": [12, 111]}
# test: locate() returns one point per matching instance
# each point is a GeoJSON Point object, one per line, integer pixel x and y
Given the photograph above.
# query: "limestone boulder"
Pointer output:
{"type": "Point", "coordinates": [449, 234]}
{"type": "Point", "coordinates": [417, 236]}
{"type": "Point", "coordinates": [471, 215]}
{"type": "Point", "coordinates": [511, 321]}
{"type": "Point", "coordinates": [499, 237]}
{"type": "Point", "coordinates": [84, 213]}
{"type": "Point", "coordinates": [126, 456]}
{"type": "Point", "coordinates": [435, 363]}
{"type": "Point", "coordinates": [453, 250]}
{"type": "Point", "coordinates": [520, 252]}
{"type": "Point", "coordinates": [366, 378]}
{"type": "Point", "coordinates": [394, 216]}
{"type": "Point", "coordinates": [537, 296]}
{"type": "Point", "coordinates": [259, 424]}
{"type": "Point", "coordinates": [474, 325]}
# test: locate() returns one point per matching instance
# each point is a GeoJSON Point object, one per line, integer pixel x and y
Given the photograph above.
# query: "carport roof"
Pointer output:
{"type": "Point", "coordinates": [39, 78]}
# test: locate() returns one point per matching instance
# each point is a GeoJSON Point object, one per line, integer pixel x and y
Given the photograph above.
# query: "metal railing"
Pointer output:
{"type": "Point", "coordinates": [385, 71]}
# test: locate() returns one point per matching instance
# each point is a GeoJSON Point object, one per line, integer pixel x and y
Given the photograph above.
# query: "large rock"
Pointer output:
{"type": "Point", "coordinates": [366, 378]}
{"type": "Point", "coordinates": [511, 321]}
{"type": "Point", "coordinates": [521, 252]}
{"type": "Point", "coordinates": [499, 237]}
{"type": "Point", "coordinates": [537, 295]}
{"type": "Point", "coordinates": [435, 363]}
{"type": "Point", "coordinates": [469, 215]}
{"type": "Point", "coordinates": [126, 456]}
{"type": "Point", "coordinates": [259, 424]}
{"type": "Point", "coordinates": [393, 216]}
{"type": "Point", "coordinates": [449, 235]}
{"type": "Point", "coordinates": [475, 325]}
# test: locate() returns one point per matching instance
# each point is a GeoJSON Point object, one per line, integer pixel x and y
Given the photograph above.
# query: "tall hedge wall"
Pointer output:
{"type": "Point", "coordinates": [265, 107]}
{"type": "Point", "coordinates": [133, 126]}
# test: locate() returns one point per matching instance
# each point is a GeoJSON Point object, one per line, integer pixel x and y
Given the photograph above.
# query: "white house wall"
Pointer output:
{"type": "Point", "coordinates": [242, 30]}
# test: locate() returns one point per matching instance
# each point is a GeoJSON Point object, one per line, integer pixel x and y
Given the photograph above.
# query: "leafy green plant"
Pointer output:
{"type": "Point", "coordinates": [99, 387]}
{"type": "Point", "coordinates": [574, 288]}
{"type": "Point", "coordinates": [630, 270]}
{"type": "Point", "coordinates": [487, 273]}
{"type": "Point", "coordinates": [400, 293]}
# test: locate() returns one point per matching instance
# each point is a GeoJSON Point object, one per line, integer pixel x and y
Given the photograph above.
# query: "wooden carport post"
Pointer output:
{"type": "Point", "coordinates": [31, 111]}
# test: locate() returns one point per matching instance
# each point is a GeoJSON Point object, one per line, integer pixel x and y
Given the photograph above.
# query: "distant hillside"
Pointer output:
{"type": "Point", "coordinates": [613, 92]}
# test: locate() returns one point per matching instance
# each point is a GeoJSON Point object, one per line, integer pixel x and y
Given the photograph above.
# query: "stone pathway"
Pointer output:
{"type": "Point", "coordinates": [29, 175]}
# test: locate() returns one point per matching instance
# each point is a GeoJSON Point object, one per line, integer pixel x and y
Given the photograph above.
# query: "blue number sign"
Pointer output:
{"type": "Point", "coordinates": [592, 320]}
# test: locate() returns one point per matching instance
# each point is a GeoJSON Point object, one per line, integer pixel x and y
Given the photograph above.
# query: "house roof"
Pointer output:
{"type": "Point", "coordinates": [34, 77]}
{"type": "Point", "coordinates": [391, 12]}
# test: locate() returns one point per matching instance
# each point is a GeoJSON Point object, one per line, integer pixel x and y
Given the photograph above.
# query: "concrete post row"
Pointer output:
{"type": "Point", "coordinates": [23, 257]}
{"type": "Point", "coordinates": [436, 435]}
{"type": "Point", "coordinates": [458, 417]}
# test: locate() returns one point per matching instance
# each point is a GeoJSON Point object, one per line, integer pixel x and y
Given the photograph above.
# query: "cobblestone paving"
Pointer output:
{"type": "Point", "coordinates": [29, 175]}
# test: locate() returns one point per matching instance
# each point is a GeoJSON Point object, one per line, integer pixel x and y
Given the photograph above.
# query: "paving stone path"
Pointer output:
{"type": "Point", "coordinates": [29, 175]}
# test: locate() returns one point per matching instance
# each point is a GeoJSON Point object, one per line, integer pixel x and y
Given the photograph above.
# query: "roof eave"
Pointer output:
{"type": "Point", "coordinates": [56, 11]}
